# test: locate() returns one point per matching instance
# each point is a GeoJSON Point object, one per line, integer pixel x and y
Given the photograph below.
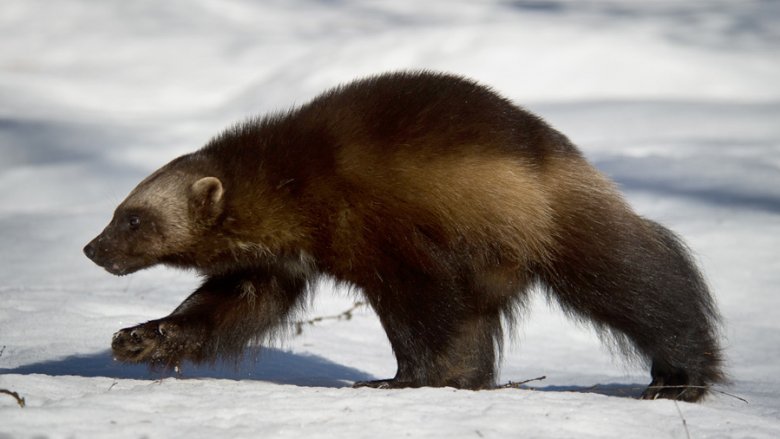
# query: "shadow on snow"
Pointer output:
{"type": "Point", "coordinates": [612, 389]}
{"type": "Point", "coordinates": [272, 365]}
{"type": "Point", "coordinates": [712, 24]}
{"type": "Point", "coordinates": [709, 183]}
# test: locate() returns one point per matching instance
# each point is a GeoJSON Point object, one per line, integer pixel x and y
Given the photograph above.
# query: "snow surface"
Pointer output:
{"type": "Point", "coordinates": [679, 101]}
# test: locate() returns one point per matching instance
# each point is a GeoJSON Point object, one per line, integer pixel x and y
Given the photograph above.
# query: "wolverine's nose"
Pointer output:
{"type": "Point", "coordinates": [89, 250]}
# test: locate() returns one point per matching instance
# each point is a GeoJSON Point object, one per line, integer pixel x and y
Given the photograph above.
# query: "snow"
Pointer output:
{"type": "Point", "coordinates": [678, 101]}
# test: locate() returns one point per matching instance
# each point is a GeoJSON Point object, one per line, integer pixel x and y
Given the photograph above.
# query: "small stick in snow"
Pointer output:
{"type": "Point", "coordinates": [685, 423]}
{"type": "Point", "coordinates": [346, 315]}
{"type": "Point", "coordinates": [516, 385]}
{"type": "Point", "coordinates": [701, 387]}
{"type": "Point", "coordinates": [19, 399]}
{"type": "Point", "coordinates": [1, 351]}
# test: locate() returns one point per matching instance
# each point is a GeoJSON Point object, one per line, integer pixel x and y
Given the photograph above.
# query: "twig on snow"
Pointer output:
{"type": "Point", "coordinates": [702, 387]}
{"type": "Point", "coordinates": [14, 395]}
{"type": "Point", "coordinates": [346, 315]}
{"type": "Point", "coordinates": [518, 384]}
{"type": "Point", "coordinates": [684, 422]}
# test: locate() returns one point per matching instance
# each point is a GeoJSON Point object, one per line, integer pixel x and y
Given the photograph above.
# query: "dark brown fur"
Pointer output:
{"type": "Point", "coordinates": [442, 202]}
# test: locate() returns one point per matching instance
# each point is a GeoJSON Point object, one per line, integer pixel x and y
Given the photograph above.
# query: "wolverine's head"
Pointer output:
{"type": "Point", "coordinates": [160, 219]}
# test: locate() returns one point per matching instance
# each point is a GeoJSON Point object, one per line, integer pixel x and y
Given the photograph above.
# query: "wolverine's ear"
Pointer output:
{"type": "Point", "coordinates": [206, 194]}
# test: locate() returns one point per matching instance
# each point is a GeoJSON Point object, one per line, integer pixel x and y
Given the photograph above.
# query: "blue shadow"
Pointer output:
{"type": "Point", "coordinates": [270, 364]}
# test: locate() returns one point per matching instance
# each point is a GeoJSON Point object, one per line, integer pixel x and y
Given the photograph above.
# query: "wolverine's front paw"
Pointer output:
{"type": "Point", "coordinates": [159, 342]}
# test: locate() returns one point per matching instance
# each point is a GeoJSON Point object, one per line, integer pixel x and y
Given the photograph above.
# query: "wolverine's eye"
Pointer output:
{"type": "Point", "coordinates": [134, 221]}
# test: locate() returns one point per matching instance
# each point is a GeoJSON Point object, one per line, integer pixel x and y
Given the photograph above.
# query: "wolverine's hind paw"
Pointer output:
{"type": "Point", "coordinates": [677, 392]}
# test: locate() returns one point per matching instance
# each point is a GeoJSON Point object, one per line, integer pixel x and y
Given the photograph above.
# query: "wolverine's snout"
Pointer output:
{"type": "Point", "coordinates": [89, 250]}
{"type": "Point", "coordinates": [94, 253]}
{"type": "Point", "coordinates": [104, 252]}
{"type": "Point", "coordinates": [100, 257]}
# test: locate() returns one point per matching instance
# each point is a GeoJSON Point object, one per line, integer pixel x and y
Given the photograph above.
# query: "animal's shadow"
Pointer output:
{"type": "Point", "coordinates": [270, 364]}
{"type": "Point", "coordinates": [621, 390]}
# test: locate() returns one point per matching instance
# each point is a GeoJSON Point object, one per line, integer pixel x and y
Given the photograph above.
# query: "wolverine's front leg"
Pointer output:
{"type": "Point", "coordinates": [163, 342]}
{"type": "Point", "coordinates": [218, 320]}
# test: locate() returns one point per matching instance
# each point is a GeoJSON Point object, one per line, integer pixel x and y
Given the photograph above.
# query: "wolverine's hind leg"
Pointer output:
{"type": "Point", "coordinates": [637, 280]}
{"type": "Point", "coordinates": [684, 366]}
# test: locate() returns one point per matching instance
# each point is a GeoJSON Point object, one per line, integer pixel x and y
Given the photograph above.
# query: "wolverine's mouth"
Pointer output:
{"type": "Point", "coordinates": [118, 269]}
{"type": "Point", "coordinates": [116, 264]}
{"type": "Point", "coordinates": [115, 269]}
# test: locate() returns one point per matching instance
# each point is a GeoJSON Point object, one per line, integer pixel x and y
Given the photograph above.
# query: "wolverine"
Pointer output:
{"type": "Point", "coordinates": [439, 201]}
